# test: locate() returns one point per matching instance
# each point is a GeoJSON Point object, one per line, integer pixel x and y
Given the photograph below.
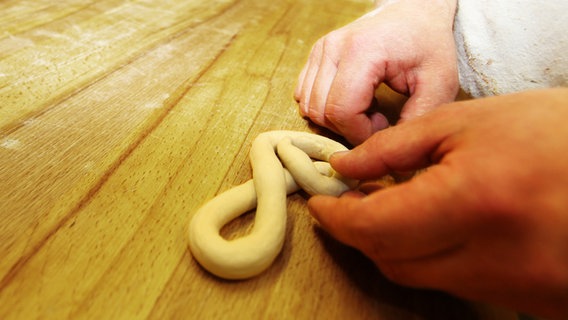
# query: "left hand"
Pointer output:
{"type": "Point", "coordinates": [407, 44]}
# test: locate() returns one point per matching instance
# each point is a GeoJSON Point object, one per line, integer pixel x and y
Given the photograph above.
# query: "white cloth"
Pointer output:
{"type": "Point", "coordinates": [506, 46]}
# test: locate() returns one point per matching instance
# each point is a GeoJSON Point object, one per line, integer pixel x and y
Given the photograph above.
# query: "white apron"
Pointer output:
{"type": "Point", "coordinates": [506, 46]}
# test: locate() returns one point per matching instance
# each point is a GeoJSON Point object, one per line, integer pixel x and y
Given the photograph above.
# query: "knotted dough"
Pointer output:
{"type": "Point", "coordinates": [249, 255]}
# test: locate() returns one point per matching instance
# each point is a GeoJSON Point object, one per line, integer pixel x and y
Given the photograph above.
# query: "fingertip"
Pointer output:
{"type": "Point", "coordinates": [337, 156]}
{"type": "Point", "coordinates": [378, 122]}
{"type": "Point", "coordinates": [324, 208]}
{"type": "Point", "coordinates": [365, 161]}
{"type": "Point", "coordinates": [354, 139]}
{"type": "Point", "coordinates": [355, 127]}
{"type": "Point", "coordinates": [339, 161]}
{"type": "Point", "coordinates": [318, 204]}
{"type": "Point", "coordinates": [353, 194]}
{"type": "Point", "coordinates": [338, 216]}
{"type": "Point", "coordinates": [426, 98]}
{"type": "Point", "coordinates": [300, 84]}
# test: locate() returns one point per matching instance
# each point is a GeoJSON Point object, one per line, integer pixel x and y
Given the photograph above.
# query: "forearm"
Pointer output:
{"type": "Point", "coordinates": [438, 10]}
{"type": "Point", "coordinates": [446, 6]}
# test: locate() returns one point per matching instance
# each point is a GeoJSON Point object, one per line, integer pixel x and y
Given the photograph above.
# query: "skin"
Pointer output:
{"type": "Point", "coordinates": [488, 219]}
{"type": "Point", "coordinates": [406, 44]}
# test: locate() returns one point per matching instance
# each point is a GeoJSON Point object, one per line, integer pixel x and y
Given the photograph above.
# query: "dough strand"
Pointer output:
{"type": "Point", "coordinates": [253, 253]}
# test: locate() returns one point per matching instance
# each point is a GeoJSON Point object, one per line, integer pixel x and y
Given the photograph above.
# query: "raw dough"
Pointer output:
{"type": "Point", "coordinates": [250, 255]}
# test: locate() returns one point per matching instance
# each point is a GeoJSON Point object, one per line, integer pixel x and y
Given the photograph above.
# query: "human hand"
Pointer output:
{"type": "Point", "coordinates": [487, 220]}
{"type": "Point", "coordinates": [407, 44]}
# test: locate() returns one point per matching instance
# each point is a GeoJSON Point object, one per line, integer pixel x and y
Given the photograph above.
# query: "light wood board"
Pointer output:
{"type": "Point", "coordinates": [118, 119]}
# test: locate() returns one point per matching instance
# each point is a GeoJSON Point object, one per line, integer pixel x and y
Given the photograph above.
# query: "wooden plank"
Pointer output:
{"type": "Point", "coordinates": [47, 64]}
{"type": "Point", "coordinates": [119, 119]}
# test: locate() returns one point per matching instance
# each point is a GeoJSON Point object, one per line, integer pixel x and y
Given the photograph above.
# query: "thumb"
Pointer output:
{"type": "Point", "coordinates": [437, 90]}
{"type": "Point", "coordinates": [408, 146]}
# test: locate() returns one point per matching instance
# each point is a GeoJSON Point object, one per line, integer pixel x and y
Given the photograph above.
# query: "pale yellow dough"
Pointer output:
{"type": "Point", "coordinates": [250, 255]}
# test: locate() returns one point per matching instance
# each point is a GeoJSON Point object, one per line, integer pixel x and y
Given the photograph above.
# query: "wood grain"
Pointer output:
{"type": "Point", "coordinates": [118, 119]}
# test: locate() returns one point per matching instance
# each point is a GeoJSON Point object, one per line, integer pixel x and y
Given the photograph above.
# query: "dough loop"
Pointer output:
{"type": "Point", "coordinates": [251, 254]}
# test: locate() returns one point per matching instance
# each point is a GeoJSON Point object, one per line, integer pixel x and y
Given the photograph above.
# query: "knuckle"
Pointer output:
{"type": "Point", "coordinates": [332, 39]}
{"type": "Point", "coordinates": [334, 44]}
{"type": "Point", "coordinates": [335, 113]}
{"type": "Point", "coordinates": [316, 115]}
{"type": "Point", "coordinates": [317, 47]}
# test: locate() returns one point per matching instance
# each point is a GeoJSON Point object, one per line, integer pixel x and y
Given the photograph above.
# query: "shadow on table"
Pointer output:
{"type": "Point", "coordinates": [361, 271]}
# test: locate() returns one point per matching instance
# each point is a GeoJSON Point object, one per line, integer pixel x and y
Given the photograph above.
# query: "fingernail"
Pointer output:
{"type": "Point", "coordinates": [338, 154]}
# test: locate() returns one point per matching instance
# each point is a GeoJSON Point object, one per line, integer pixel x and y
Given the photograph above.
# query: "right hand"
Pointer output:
{"type": "Point", "coordinates": [407, 44]}
{"type": "Point", "coordinates": [488, 219]}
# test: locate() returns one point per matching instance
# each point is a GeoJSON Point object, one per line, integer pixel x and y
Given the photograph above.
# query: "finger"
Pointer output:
{"type": "Point", "coordinates": [371, 186]}
{"type": "Point", "coordinates": [409, 221]}
{"type": "Point", "coordinates": [312, 68]}
{"type": "Point", "coordinates": [299, 86]}
{"type": "Point", "coordinates": [405, 147]}
{"type": "Point", "coordinates": [320, 90]}
{"type": "Point", "coordinates": [350, 96]}
{"type": "Point", "coordinates": [448, 270]}
{"type": "Point", "coordinates": [353, 194]}
{"type": "Point", "coordinates": [431, 90]}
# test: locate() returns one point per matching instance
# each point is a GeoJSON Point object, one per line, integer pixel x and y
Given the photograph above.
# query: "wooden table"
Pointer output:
{"type": "Point", "coordinates": [118, 119]}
